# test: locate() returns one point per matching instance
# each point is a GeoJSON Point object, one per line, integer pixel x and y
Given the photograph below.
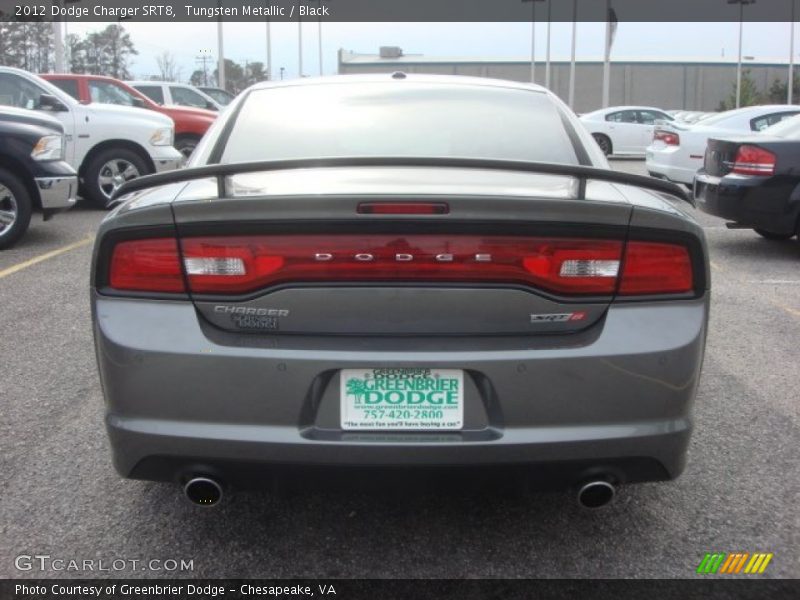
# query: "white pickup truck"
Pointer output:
{"type": "Point", "coordinates": [107, 144]}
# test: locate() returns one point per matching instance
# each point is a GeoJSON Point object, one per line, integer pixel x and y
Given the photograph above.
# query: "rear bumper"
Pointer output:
{"type": "Point", "coordinates": [755, 202]}
{"type": "Point", "coordinates": [184, 397]}
{"type": "Point", "coordinates": [665, 162]}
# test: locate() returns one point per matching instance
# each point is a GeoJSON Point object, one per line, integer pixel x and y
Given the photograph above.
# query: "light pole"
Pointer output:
{"type": "Point", "coordinates": [220, 52]}
{"type": "Point", "coordinates": [572, 55]}
{"type": "Point", "coordinates": [319, 37]}
{"type": "Point", "coordinates": [790, 84]}
{"type": "Point", "coordinates": [533, 37]}
{"type": "Point", "coordinates": [741, 4]}
{"type": "Point", "coordinates": [547, 52]}
{"type": "Point", "coordinates": [299, 42]}
{"type": "Point", "coordinates": [269, 45]}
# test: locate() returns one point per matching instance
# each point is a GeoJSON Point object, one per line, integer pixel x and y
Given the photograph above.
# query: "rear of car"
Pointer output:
{"type": "Point", "coordinates": [752, 181]}
{"type": "Point", "coordinates": [416, 271]}
{"type": "Point", "coordinates": [678, 150]}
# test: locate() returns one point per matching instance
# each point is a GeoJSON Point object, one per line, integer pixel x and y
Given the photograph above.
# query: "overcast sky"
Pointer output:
{"type": "Point", "coordinates": [247, 41]}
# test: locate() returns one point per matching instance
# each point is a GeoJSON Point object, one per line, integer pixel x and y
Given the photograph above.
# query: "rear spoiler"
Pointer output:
{"type": "Point", "coordinates": [581, 172]}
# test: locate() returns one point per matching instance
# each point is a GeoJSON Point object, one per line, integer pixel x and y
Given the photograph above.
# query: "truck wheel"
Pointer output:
{"type": "Point", "coordinates": [15, 209]}
{"type": "Point", "coordinates": [107, 171]}
{"type": "Point", "coordinates": [604, 142]}
{"type": "Point", "coordinates": [775, 237]}
{"type": "Point", "coordinates": [186, 144]}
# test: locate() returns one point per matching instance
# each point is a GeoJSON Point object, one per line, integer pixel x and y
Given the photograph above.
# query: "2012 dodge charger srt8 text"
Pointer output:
{"type": "Point", "coordinates": [399, 270]}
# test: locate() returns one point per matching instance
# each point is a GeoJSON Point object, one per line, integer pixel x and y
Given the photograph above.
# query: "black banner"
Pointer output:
{"type": "Point", "coordinates": [401, 589]}
{"type": "Point", "coordinates": [396, 10]}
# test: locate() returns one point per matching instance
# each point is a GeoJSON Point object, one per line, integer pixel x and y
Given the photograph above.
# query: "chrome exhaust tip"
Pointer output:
{"type": "Point", "coordinates": [596, 494]}
{"type": "Point", "coordinates": [203, 491]}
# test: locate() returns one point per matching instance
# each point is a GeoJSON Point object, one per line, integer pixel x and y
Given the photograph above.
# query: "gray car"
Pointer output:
{"type": "Point", "coordinates": [399, 270]}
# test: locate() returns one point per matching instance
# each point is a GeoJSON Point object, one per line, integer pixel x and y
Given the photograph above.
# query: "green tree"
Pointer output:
{"type": "Point", "coordinates": [109, 52]}
{"type": "Point", "coordinates": [749, 95]}
{"type": "Point", "coordinates": [198, 78]}
{"type": "Point", "coordinates": [777, 93]}
{"type": "Point", "coordinates": [27, 45]}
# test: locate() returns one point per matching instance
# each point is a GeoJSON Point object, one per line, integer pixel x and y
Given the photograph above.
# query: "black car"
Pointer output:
{"type": "Point", "coordinates": [754, 180]}
{"type": "Point", "coordinates": [33, 173]}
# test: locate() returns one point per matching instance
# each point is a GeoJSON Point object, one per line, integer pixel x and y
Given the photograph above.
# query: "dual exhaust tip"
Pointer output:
{"type": "Point", "coordinates": [204, 491]}
{"type": "Point", "coordinates": [596, 494]}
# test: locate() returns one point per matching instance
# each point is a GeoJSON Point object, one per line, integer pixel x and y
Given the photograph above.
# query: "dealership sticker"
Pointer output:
{"type": "Point", "coordinates": [402, 399]}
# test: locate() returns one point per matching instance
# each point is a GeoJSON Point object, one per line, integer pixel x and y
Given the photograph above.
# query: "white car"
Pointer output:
{"type": "Point", "coordinates": [624, 130]}
{"type": "Point", "coordinates": [178, 94]}
{"type": "Point", "coordinates": [107, 144]}
{"type": "Point", "coordinates": [678, 150]}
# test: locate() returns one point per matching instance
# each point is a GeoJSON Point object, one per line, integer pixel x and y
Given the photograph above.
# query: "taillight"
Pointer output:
{"type": "Point", "coordinates": [655, 268]}
{"type": "Point", "coordinates": [231, 265]}
{"type": "Point", "coordinates": [669, 138]}
{"type": "Point", "coordinates": [149, 265]}
{"type": "Point", "coordinates": [236, 265]}
{"type": "Point", "coordinates": [752, 160]}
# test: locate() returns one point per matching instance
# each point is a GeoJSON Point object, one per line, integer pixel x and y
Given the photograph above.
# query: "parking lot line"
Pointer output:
{"type": "Point", "coordinates": [47, 255]}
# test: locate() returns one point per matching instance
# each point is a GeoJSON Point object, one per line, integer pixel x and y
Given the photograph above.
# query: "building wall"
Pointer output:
{"type": "Point", "coordinates": [667, 85]}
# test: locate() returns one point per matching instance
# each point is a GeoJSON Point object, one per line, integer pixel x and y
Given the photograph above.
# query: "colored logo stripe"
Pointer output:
{"type": "Point", "coordinates": [711, 562]}
{"type": "Point", "coordinates": [731, 564]}
{"type": "Point", "coordinates": [758, 563]}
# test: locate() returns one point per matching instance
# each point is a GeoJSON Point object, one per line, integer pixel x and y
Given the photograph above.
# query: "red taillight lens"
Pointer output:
{"type": "Point", "coordinates": [242, 264]}
{"type": "Point", "coordinates": [150, 265]}
{"type": "Point", "coordinates": [654, 268]}
{"type": "Point", "coordinates": [669, 138]}
{"type": "Point", "coordinates": [752, 160]}
{"type": "Point", "coordinates": [235, 265]}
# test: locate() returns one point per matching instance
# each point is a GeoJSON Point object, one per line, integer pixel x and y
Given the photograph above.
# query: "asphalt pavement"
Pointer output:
{"type": "Point", "coordinates": [60, 497]}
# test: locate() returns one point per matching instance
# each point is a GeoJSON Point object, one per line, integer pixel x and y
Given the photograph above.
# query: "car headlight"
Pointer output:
{"type": "Point", "coordinates": [162, 137]}
{"type": "Point", "coordinates": [50, 147]}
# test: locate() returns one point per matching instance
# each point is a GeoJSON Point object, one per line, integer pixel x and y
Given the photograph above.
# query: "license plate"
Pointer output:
{"type": "Point", "coordinates": [407, 399]}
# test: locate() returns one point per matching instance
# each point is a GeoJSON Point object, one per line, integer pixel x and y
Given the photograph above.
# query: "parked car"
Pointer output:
{"type": "Point", "coordinates": [623, 130]}
{"type": "Point", "coordinates": [753, 180]}
{"type": "Point", "coordinates": [407, 279]}
{"type": "Point", "coordinates": [33, 173]}
{"type": "Point", "coordinates": [190, 123]}
{"type": "Point", "coordinates": [677, 150]}
{"type": "Point", "coordinates": [223, 97]}
{"type": "Point", "coordinates": [179, 94]}
{"type": "Point", "coordinates": [107, 145]}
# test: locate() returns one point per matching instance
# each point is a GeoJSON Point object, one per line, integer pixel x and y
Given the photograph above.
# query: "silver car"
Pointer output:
{"type": "Point", "coordinates": [399, 270]}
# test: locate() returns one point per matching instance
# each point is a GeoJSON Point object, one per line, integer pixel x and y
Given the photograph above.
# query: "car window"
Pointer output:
{"type": "Point", "coordinates": [105, 92]}
{"type": "Point", "coordinates": [788, 128]}
{"type": "Point", "coordinates": [761, 123]}
{"type": "Point", "coordinates": [391, 120]}
{"type": "Point", "coordinates": [218, 95]}
{"type": "Point", "coordinates": [69, 86]}
{"type": "Point", "coordinates": [187, 97]}
{"type": "Point", "coordinates": [154, 92]}
{"type": "Point", "coordinates": [649, 117]}
{"type": "Point", "coordinates": [18, 91]}
{"type": "Point", "coordinates": [622, 116]}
